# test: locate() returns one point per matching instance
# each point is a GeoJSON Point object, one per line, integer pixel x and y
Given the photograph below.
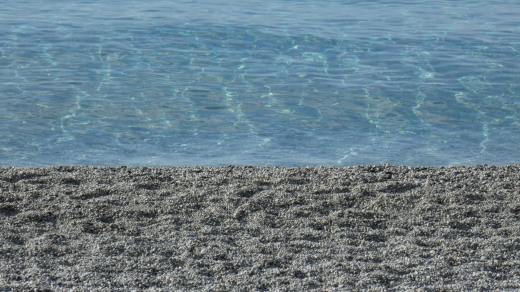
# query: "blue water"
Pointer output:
{"type": "Point", "coordinates": [271, 82]}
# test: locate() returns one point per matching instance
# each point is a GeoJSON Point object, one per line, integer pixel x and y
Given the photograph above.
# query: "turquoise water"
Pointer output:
{"type": "Point", "coordinates": [268, 82]}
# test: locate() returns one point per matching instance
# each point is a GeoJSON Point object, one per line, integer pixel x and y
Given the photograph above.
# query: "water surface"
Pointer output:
{"type": "Point", "coordinates": [259, 82]}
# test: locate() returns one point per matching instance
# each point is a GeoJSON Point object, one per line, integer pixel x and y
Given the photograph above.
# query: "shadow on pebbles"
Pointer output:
{"type": "Point", "coordinates": [259, 228]}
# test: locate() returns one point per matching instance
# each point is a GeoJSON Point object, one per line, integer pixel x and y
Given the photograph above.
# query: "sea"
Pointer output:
{"type": "Point", "coordinates": [271, 82]}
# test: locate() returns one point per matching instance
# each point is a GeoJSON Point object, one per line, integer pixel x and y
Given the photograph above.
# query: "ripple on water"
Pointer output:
{"type": "Point", "coordinates": [337, 83]}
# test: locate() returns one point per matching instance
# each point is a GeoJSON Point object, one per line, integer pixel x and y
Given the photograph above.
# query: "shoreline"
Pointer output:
{"type": "Point", "coordinates": [257, 228]}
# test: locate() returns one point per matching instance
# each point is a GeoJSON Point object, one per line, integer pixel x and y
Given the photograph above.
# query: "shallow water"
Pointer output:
{"type": "Point", "coordinates": [259, 82]}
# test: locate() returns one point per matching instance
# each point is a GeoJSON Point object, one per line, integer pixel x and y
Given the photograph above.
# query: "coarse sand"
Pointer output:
{"type": "Point", "coordinates": [259, 228]}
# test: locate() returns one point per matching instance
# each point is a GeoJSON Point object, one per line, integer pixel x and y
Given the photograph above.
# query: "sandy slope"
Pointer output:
{"type": "Point", "coordinates": [260, 228]}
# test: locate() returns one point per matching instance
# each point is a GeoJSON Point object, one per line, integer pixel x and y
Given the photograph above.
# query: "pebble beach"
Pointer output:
{"type": "Point", "coordinates": [259, 228]}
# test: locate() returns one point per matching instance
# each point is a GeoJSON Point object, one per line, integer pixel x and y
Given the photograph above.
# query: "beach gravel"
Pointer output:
{"type": "Point", "coordinates": [260, 228]}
